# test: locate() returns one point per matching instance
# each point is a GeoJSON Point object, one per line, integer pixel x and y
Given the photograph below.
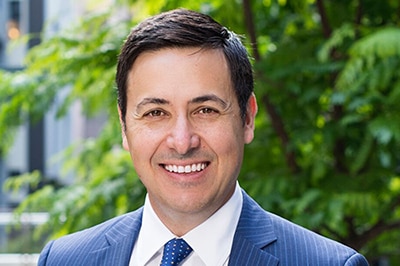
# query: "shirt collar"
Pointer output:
{"type": "Point", "coordinates": [152, 236]}
{"type": "Point", "coordinates": [219, 229]}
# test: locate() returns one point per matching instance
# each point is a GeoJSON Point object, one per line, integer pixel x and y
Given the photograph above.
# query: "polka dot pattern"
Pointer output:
{"type": "Point", "coordinates": [175, 251]}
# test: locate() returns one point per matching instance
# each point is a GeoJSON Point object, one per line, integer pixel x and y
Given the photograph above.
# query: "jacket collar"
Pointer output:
{"type": "Point", "coordinates": [254, 232]}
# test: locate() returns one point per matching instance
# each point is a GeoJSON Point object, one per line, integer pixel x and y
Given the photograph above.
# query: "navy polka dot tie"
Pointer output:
{"type": "Point", "coordinates": [175, 251]}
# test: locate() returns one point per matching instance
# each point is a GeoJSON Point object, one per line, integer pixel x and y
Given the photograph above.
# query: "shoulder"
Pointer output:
{"type": "Point", "coordinates": [308, 247]}
{"type": "Point", "coordinates": [89, 237]}
{"type": "Point", "coordinates": [293, 244]}
{"type": "Point", "coordinates": [101, 236]}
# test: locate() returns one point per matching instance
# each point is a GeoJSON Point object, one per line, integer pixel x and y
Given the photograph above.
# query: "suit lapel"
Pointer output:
{"type": "Point", "coordinates": [253, 233]}
{"type": "Point", "coordinates": [118, 242]}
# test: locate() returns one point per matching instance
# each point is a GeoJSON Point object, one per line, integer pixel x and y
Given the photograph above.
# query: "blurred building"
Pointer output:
{"type": "Point", "coordinates": [37, 143]}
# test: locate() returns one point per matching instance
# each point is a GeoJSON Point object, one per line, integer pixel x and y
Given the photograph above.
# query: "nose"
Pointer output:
{"type": "Point", "coordinates": [183, 137]}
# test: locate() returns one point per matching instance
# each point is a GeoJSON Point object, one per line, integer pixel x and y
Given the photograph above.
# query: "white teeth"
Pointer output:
{"type": "Point", "coordinates": [188, 169]}
{"type": "Point", "coordinates": [181, 169]}
{"type": "Point", "coordinates": [185, 169]}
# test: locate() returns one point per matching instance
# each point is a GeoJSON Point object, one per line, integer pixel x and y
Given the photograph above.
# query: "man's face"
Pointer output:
{"type": "Point", "coordinates": [184, 131]}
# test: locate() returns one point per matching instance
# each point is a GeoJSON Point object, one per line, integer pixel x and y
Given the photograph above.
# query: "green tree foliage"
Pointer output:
{"type": "Point", "coordinates": [327, 147]}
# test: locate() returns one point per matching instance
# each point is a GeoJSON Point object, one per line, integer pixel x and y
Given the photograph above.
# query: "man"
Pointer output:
{"type": "Point", "coordinates": [187, 108]}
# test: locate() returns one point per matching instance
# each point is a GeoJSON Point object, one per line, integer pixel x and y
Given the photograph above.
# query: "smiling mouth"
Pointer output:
{"type": "Point", "coordinates": [187, 169]}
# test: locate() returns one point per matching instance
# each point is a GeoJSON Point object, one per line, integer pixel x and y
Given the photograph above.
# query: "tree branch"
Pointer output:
{"type": "Point", "coordinates": [359, 12]}
{"type": "Point", "coordinates": [381, 226]}
{"type": "Point", "coordinates": [340, 145]}
{"type": "Point", "coordinates": [337, 112]}
{"type": "Point", "coordinates": [358, 17]}
{"type": "Point", "coordinates": [279, 128]}
{"type": "Point", "coordinates": [326, 28]}
{"type": "Point", "coordinates": [249, 20]}
{"type": "Point", "coordinates": [276, 120]}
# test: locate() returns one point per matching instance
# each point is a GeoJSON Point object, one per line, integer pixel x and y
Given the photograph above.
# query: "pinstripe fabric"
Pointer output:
{"type": "Point", "coordinates": [108, 244]}
{"type": "Point", "coordinates": [261, 238]}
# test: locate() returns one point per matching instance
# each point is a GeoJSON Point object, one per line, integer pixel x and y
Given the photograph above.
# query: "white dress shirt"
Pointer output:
{"type": "Point", "coordinates": [211, 241]}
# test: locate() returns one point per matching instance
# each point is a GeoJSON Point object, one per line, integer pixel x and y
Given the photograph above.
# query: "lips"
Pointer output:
{"type": "Point", "coordinates": [187, 169]}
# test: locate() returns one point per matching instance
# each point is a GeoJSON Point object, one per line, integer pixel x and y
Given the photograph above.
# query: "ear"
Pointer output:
{"type": "Point", "coordinates": [123, 129]}
{"type": "Point", "coordinates": [251, 112]}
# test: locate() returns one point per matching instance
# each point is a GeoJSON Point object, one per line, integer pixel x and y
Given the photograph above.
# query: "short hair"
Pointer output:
{"type": "Point", "coordinates": [181, 28]}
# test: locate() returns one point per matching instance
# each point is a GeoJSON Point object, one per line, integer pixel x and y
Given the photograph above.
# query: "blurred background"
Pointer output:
{"type": "Point", "coordinates": [327, 148]}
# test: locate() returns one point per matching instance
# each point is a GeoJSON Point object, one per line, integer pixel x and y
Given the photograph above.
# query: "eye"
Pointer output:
{"type": "Point", "coordinates": [155, 113]}
{"type": "Point", "coordinates": [207, 110]}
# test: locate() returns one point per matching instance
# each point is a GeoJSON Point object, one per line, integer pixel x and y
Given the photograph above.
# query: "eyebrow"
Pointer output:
{"type": "Point", "coordinates": [154, 100]}
{"type": "Point", "coordinates": [210, 97]}
{"type": "Point", "coordinates": [197, 100]}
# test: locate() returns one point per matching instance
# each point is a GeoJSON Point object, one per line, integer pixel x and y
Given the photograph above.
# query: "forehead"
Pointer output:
{"type": "Point", "coordinates": [179, 71]}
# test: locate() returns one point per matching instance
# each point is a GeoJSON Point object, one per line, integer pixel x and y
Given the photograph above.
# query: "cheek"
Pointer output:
{"type": "Point", "coordinates": [141, 143]}
{"type": "Point", "coordinates": [227, 140]}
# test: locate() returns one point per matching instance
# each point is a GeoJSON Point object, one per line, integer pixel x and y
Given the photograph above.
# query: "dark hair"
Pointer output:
{"type": "Point", "coordinates": [185, 28]}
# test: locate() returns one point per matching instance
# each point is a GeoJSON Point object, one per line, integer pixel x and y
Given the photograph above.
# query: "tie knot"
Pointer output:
{"type": "Point", "coordinates": [175, 251]}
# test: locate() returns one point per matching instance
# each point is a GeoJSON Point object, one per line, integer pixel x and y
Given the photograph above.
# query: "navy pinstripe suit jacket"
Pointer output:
{"type": "Point", "coordinates": [261, 238]}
